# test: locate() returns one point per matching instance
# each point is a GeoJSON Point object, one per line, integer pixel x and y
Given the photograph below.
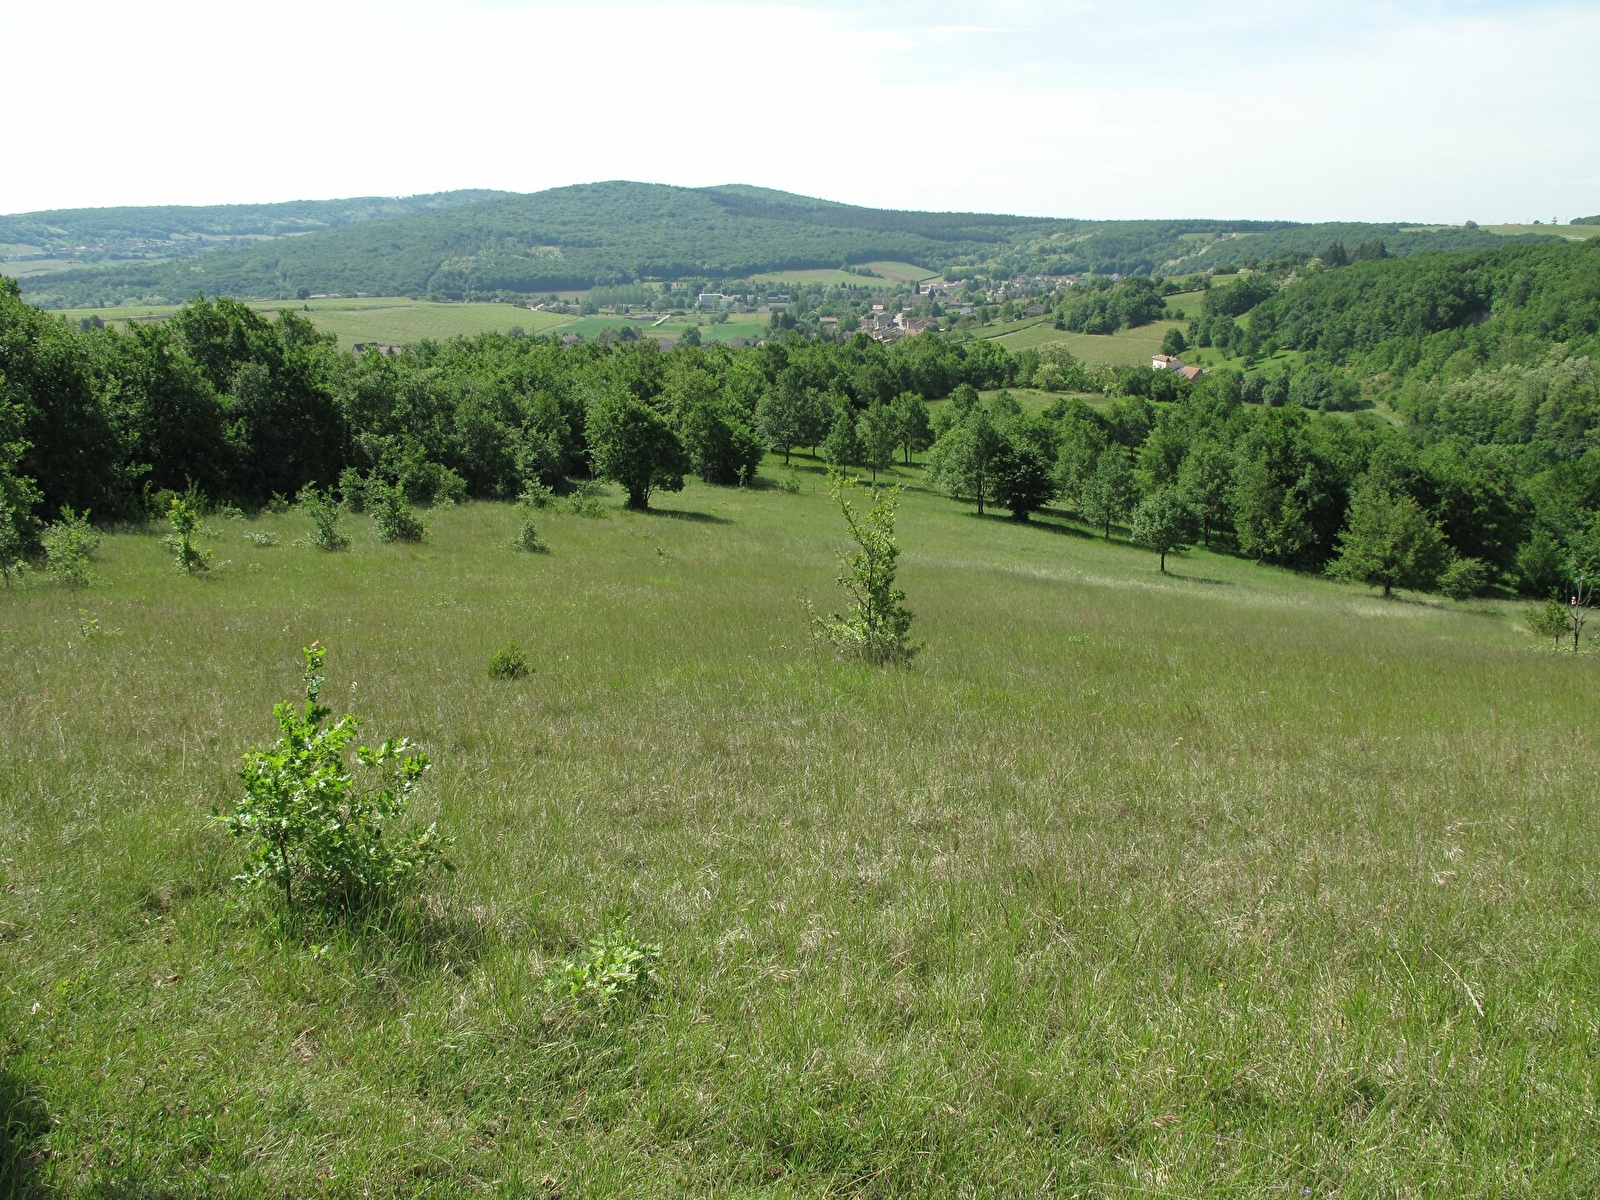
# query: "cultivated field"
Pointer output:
{"type": "Point", "coordinates": [1233, 883]}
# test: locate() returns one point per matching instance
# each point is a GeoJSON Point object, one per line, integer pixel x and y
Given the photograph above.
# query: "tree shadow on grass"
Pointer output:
{"type": "Point", "coordinates": [1205, 579]}
{"type": "Point", "coordinates": [681, 514]}
{"type": "Point", "coordinates": [23, 1124]}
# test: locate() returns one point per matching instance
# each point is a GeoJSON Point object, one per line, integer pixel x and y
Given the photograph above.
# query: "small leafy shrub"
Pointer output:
{"type": "Point", "coordinates": [536, 495]}
{"type": "Point", "coordinates": [312, 832]}
{"type": "Point", "coordinates": [1549, 619]}
{"type": "Point", "coordinates": [612, 966]}
{"type": "Point", "coordinates": [261, 537]}
{"type": "Point", "coordinates": [789, 481]}
{"type": "Point", "coordinates": [877, 627]}
{"type": "Point", "coordinates": [1464, 578]}
{"type": "Point", "coordinates": [392, 514]}
{"type": "Point", "coordinates": [528, 540]}
{"type": "Point", "coordinates": [279, 504]}
{"type": "Point", "coordinates": [585, 501]}
{"type": "Point", "coordinates": [324, 514]}
{"type": "Point", "coordinates": [183, 514]}
{"type": "Point", "coordinates": [68, 543]}
{"type": "Point", "coordinates": [353, 490]}
{"type": "Point", "coordinates": [511, 662]}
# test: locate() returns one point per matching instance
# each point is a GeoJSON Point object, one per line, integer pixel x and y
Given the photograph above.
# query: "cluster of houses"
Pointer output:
{"type": "Point", "coordinates": [1171, 362]}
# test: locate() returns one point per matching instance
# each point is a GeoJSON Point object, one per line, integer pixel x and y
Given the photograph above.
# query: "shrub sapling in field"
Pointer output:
{"type": "Point", "coordinates": [610, 967]}
{"type": "Point", "coordinates": [511, 662]}
{"type": "Point", "coordinates": [324, 514]}
{"type": "Point", "coordinates": [877, 626]}
{"type": "Point", "coordinates": [528, 540]}
{"type": "Point", "coordinates": [68, 543]}
{"type": "Point", "coordinates": [1548, 620]}
{"type": "Point", "coordinates": [312, 832]}
{"type": "Point", "coordinates": [261, 537]}
{"type": "Point", "coordinates": [1464, 578]}
{"type": "Point", "coordinates": [183, 514]}
{"type": "Point", "coordinates": [392, 514]}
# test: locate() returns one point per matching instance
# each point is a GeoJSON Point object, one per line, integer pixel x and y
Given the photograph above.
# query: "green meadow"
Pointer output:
{"type": "Point", "coordinates": [1232, 882]}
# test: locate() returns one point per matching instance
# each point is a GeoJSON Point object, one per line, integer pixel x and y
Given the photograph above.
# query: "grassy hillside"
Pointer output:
{"type": "Point", "coordinates": [618, 232]}
{"type": "Point", "coordinates": [1235, 882]}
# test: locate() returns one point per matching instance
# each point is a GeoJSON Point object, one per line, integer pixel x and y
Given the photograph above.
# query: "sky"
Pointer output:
{"type": "Point", "coordinates": [1414, 110]}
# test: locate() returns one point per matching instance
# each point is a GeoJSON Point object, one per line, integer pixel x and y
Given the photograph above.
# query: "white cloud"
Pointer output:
{"type": "Point", "coordinates": [1425, 111]}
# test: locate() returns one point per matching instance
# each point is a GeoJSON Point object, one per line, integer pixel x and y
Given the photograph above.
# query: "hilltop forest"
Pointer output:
{"type": "Point", "coordinates": [493, 246]}
{"type": "Point", "coordinates": [1485, 359]}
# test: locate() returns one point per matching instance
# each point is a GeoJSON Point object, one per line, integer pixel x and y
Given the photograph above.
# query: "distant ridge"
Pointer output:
{"type": "Point", "coordinates": [466, 245]}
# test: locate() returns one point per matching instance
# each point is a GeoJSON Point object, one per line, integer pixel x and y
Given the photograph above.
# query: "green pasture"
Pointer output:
{"type": "Point", "coordinates": [1576, 233]}
{"type": "Point", "coordinates": [391, 319]}
{"type": "Point", "coordinates": [893, 272]}
{"type": "Point", "coordinates": [1231, 882]}
{"type": "Point", "coordinates": [744, 325]}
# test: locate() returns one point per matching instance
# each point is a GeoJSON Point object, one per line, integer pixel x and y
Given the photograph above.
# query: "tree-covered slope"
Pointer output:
{"type": "Point", "coordinates": [100, 235]}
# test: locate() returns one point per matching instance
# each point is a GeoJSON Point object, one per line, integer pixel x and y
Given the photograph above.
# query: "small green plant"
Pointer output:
{"type": "Point", "coordinates": [610, 967]}
{"type": "Point", "coordinates": [789, 481]}
{"type": "Point", "coordinates": [324, 514]}
{"type": "Point", "coordinates": [279, 504]}
{"type": "Point", "coordinates": [183, 514]}
{"type": "Point", "coordinates": [528, 539]}
{"type": "Point", "coordinates": [312, 833]}
{"type": "Point", "coordinates": [536, 495]}
{"type": "Point", "coordinates": [261, 537]}
{"type": "Point", "coordinates": [1548, 620]}
{"type": "Point", "coordinates": [392, 514]}
{"type": "Point", "coordinates": [1464, 578]}
{"type": "Point", "coordinates": [68, 543]}
{"type": "Point", "coordinates": [585, 501]}
{"type": "Point", "coordinates": [88, 626]}
{"type": "Point", "coordinates": [510, 662]}
{"type": "Point", "coordinates": [877, 626]}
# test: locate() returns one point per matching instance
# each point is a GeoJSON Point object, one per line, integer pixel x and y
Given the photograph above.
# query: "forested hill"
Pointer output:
{"type": "Point", "coordinates": [619, 232]}
{"type": "Point", "coordinates": [108, 235]}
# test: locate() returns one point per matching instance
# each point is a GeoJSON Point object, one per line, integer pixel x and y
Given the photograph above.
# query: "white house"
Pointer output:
{"type": "Point", "coordinates": [1167, 362]}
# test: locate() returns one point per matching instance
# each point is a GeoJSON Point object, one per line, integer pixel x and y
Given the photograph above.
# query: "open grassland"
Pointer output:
{"type": "Point", "coordinates": [895, 272]}
{"type": "Point", "coordinates": [743, 325]}
{"type": "Point", "coordinates": [391, 319]}
{"type": "Point", "coordinates": [1233, 883]}
{"type": "Point", "coordinates": [1126, 347]}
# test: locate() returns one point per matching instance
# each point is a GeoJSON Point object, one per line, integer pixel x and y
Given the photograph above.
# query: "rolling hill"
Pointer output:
{"type": "Point", "coordinates": [484, 245]}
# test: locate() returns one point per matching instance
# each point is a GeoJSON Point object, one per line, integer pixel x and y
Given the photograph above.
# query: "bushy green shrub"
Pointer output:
{"type": "Point", "coordinates": [528, 540]}
{"type": "Point", "coordinates": [612, 966]}
{"type": "Point", "coordinates": [510, 662]}
{"type": "Point", "coordinates": [324, 514]}
{"type": "Point", "coordinates": [536, 495]}
{"type": "Point", "coordinates": [1464, 578]}
{"type": "Point", "coordinates": [311, 831]}
{"type": "Point", "coordinates": [68, 543]}
{"type": "Point", "coordinates": [353, 490]}
{"type": "Point", "coordinates": [392, 515]}
{"type": "Point", "coordinates": [261, 537]}
{"type": "Point", "coordinates": [585, 501]}
{"type": "Point", "coordinates": [183, 515]}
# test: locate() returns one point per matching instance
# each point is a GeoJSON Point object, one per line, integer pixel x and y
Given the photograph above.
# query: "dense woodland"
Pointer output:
{"type": "Point", "coordinates": [621, 233]}
{"type": "Point", "coordinates": [1487, 360]}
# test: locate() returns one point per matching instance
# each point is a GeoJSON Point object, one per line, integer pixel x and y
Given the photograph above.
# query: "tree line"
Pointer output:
{"type": "Point", "coordinates": [244, 407]}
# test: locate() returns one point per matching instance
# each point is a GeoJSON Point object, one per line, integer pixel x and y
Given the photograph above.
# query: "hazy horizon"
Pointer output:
{"type": "Point", "coordinates": [1421, 111]}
